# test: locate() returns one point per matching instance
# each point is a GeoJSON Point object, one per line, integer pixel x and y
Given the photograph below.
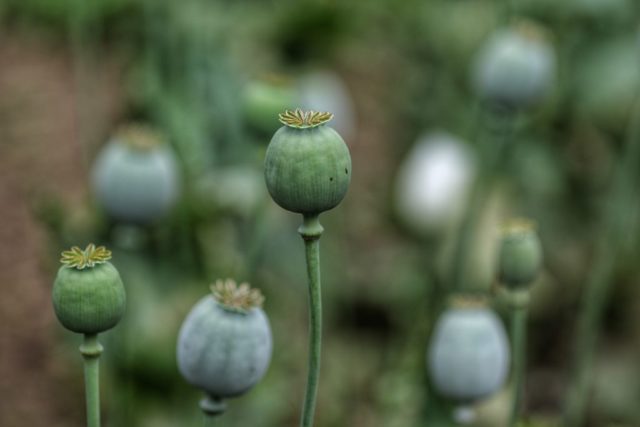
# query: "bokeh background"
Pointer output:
{"type": "Point", "coordinates": [210, 76]}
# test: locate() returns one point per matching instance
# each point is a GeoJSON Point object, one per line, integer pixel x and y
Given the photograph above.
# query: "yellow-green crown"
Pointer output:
{"type": "Point", "coordinates": [300, 119]}
{"type": "Point", "coordinates": [236, 297]}
{"type": "Point", "coordinates": [518, 226]}
{"type": "Point", "coordinates": [87, 258]}
{"type": "Point", "coordinates": [139, 136]}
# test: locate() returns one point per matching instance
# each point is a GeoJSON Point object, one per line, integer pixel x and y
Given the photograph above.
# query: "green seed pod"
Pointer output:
{"type": "Point", "coordinates": [468, 357]}
{"type": "Point", "coordinates": [88, 294]}
{"type": "Point", "coordinates": [307, 164]}
{"type": "Point", "coordinates": [520, 257]}
{"type": "Point", "coordinates": [224, 345]}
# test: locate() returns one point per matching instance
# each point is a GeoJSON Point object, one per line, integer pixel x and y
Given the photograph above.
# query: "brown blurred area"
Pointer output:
{"type": "Point", "coordinates": [40, 158]}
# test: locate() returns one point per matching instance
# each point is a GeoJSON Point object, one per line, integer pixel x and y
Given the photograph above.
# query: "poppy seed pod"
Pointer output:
{"type": "Point", "coordinates": [88, 294]}
{"type": "Point", "coordinates": [433, 183]}
{"type": "Point", "coordinates": [468, 356]}
{"type": "Point", "coordinates": [264, 99]}
{"type": "Point", "coordinates": [224, 345]}
{"type": "Point", "coordinates": [135, 177]}
{"type": "Point", "coordinates": [520, 255]}
{"type": "Point", "coordinates": [307, 164]}
{"type": "Point", "coordinates": [515, 67]}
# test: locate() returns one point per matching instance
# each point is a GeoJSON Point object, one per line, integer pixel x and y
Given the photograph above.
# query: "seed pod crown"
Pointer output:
{"type": "Point", "coordinates": [88, 294]}
{"type": "Point", "coordinates": [307, 164]}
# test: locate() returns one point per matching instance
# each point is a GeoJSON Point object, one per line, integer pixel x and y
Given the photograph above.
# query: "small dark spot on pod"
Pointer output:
{"type": "Point", "coordinates": [331, 179]}
{"type": "Point", "coordinates": [346, 171]}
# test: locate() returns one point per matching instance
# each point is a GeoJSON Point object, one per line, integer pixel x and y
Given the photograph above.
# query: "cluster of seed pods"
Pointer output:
{"type": "Point", "coordinates": [225, 343]}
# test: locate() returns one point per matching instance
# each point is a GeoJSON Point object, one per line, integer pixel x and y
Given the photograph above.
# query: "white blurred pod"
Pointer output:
{"type": "Point", "coordinates": [326, 91]}
{"type": "Point", "coordinates": [135, 176]}
{"type": "Point", "coordinates": [515, 67]}
{"type": "Point", "coordinates": [434, 182]}
{"type": "Point", "coordinates": [468, 356]}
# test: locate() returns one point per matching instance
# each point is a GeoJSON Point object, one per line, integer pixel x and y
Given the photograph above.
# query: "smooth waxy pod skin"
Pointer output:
{"type": "Point", "coordinates": [520, 255]}
{"type": "Point", "coordinates": [135, 177]}
{"type": "Point", "coordinates": [90, 299]}
{"type": "Point", "coordinates": [515, 68]}
{"type": "Point", "coordinates": [307, 164]}
{"type": "Point", "coordinates": [224, 350]}
{"type": "Point", "coordinates": [468, 357]}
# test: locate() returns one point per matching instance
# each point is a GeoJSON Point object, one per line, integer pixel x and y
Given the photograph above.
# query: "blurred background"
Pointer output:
{"type": "Point", "coordinates": [442, 139]}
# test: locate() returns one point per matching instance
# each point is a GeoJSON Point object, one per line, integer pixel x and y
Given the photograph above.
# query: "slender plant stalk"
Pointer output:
{"type": "Point", "coordinates": [91, 350]}
{"type": "Point", "coordinates": [614, 240]}
{"type": "Point", "coordinates": [209, 420]}
{"type": "Point", "coordinates": [311, 230]}
{"type": "Point", "coordinates": [491, 153]}
{"type": "Point", "coordinates": [519, 337]}
{"type": "Point", "coordinates": [212, 408]}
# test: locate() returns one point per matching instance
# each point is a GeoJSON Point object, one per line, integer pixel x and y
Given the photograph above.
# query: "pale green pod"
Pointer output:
{"type": "Point", "coordinates": [468, 356]}
{"type": "Point", "coordinates": [135, 177]}
{"type": "Point", "coordinates": [307, 164]}
{"type": "Point", "coordinates": [264, 99]}
{"type": "Point", "coordinates": [88, 296]}
{"type": "Point", "coordinates": [520, 257]}
{"type": "Point", "coordinates": [516, 67]}
{"type": "Point", "coordinates": [224, 350]}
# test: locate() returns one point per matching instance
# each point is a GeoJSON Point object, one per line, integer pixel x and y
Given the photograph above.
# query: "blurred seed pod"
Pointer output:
{"type": "Point", "coordinates": [468, 356]}
{"type": "Point", "coordinates": [433, 183]}
{"type": "Point", "coordinates": [135, 176]}
{"type": "Point", "coordinates": [515, 67]}
{"type": "Point", "coordinates": [520, 258]}
{"type": "Point", "coordinates": [607, 83]}
{"type": "Point", "coordinates": [225, 343]}
{"type": "Point", "coordinates": [263, 99]}
{"type": "Point", "coordinates": [326, 91]}
{"type": "Point", "coordinates": [237, 190]}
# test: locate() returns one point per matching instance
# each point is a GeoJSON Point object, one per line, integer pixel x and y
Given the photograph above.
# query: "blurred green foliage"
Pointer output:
{"type": "Point", "coordinates": [407, 65]}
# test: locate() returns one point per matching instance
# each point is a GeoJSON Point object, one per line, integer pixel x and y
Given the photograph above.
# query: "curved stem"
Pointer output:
{"type": "Point", "coordinates": [311, 230]}
{"type": "Point", "coordinates": [91, 350]}
{"type": "Point", "coordinates": [519, 343]}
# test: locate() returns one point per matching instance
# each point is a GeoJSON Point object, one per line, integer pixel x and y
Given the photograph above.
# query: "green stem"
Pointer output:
{"type": "Point", "coordinates": [519, 343]}
{"type": "Point", "coordinates": [613, 241]}
{"type": "Point", "coordinates": [311, 230]}
{"type": "Point", "coordinates": [212, 408]}
{"type": "Point", "coordinates": [500, 128]}
{"type": "Point", "coordinates": [91, 350]}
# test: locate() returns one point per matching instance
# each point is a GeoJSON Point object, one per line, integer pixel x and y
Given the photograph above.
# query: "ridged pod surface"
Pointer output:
{"type": "Point", "coordinates": [225, 352]}
{"type": "Point", "coordinates": [90, 300]}
{"type": "Point", "coordinates": [468, 357]}
{"type": "Point", "coordinates": [307, 169]}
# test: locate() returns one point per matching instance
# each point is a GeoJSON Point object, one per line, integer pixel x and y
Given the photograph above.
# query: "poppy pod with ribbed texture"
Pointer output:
{"type": "Point", "coordinates": [88, 294]}
{"type": "Point", "coordinates": [225, 344]}
{"type": "Point", "coordinates": [307, 164]}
